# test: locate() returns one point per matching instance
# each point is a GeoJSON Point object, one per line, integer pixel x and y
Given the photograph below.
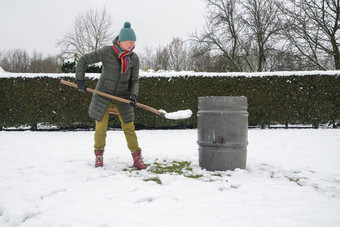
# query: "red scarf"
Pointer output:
{"type": "Point", "coordinates": [124, 57]}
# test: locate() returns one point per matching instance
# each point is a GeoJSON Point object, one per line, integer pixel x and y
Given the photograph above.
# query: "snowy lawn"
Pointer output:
{"type": "Point", "coordinates": [48, 179]}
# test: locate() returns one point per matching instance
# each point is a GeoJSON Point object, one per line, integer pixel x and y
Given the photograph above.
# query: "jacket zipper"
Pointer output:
{"type": "Point", "coordinates": [115, 92]}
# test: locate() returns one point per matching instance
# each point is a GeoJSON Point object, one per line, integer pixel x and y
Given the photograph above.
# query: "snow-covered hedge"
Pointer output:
{"type": "Point", "coordinates": [273, 98]}
{"type": "Point", "coordinates": [171, 74]}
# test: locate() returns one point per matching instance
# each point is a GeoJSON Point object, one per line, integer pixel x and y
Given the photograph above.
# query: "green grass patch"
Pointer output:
{"type": "Point", "coordinates": [182, 168]}
{"type": "Point", "coordinates": [179, 168]}
{"type": "Point", "coordinates": [175, 167]}
{"type": "Point", "coordinates": [295, 180]}
{"type": "Point", "coordinates": [172, 167]}
{"type": "Point", "coordinates": [155, 179]}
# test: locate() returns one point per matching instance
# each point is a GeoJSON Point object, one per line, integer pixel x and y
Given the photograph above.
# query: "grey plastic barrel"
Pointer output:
{"type": "Point", "coordinates": [222, 125]}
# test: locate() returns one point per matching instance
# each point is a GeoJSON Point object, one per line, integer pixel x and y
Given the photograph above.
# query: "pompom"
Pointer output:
{"type": "Point", "coordinates": [127, 25]}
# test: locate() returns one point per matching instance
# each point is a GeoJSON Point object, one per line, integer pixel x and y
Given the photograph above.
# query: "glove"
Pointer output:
{"type": "Point", "coordinates": [133, 98]}
{"type": "Point", "coordinates": [81, 85]}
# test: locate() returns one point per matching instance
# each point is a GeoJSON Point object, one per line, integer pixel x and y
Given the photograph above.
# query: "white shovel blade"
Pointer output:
{"type": "Point", "coordinates": [181, 114]}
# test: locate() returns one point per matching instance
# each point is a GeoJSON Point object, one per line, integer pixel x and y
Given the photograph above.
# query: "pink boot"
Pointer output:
{"type": "Point", "coordinates": [138, 160]}
{"type": "Point", "coordinates": [99, 158]}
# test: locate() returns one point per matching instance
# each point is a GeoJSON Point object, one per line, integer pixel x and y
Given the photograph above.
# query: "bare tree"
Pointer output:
{"type": "Point", "coordinates": [90, 31]}
{"type": "Point", "coordinates": [313, 29]}
{"type": "Point", "coordinates": [174, 56]}
{"type": "Point", "coordinates": [36, 60]}
{"type": "Point", "coordinates": [177, 54]}
{"type": "Point", "coordinates": [162, 59]}
{"type": "Point", "coordinates": [156, 60]}
{"type": "Point", "coordinates": [200, 59]}
{"type": "Point", "coordinates": [222, 31]}
{"type": "Point", "coordinates": [247, 33]}
{"type": "Point", "coordinates": [263, 21]}
{"type": "Point", "coordinates": [19, 61]}
{"type": "Point", "coordinates": [147, 58]}
{"type": "Point", "coordinates": [15, 60]}
{"type": "Point", "coordinates": [40, 64]}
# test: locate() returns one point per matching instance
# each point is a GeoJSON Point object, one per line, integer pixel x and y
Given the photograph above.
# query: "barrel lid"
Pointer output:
{"type": "Point", "coordinates": [223, 102]}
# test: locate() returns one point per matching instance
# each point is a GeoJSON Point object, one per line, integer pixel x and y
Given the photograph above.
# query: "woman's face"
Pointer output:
{"type": "Point", "coordinates": [126, 45]}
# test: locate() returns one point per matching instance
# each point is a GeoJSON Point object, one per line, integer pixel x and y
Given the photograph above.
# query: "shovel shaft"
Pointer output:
{"type": "Point", "coordinates": [153, 110]}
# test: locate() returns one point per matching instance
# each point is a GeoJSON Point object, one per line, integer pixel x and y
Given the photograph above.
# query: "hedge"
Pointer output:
{"type": "Point", "coordinates": [312, 99]}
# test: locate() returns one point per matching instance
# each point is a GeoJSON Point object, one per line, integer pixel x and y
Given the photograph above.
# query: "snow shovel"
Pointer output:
{"type": "Point", "coordinates": [181, 114]}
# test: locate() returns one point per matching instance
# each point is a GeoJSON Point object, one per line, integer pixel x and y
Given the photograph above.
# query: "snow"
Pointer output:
{"type": "Point", "coordinates": [48, 179]}
{"type": "Point", "coordinates": [2, 71]}
{"type": "Point", "coordinates": [176, 74]}
{"type": "Point", "coordinates": [180, 114]}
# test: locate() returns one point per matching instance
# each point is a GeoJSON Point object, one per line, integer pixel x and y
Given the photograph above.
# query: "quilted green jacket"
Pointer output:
{"type": "Point", "coordinates": [111, 81]}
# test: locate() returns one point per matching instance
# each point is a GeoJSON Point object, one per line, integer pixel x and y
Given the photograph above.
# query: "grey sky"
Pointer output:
{"type": "Point", "coordinates": [38, 24]}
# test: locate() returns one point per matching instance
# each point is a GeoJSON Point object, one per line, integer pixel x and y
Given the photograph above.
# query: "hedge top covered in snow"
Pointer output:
{"type": "Point", "coordinates": [177, 74]}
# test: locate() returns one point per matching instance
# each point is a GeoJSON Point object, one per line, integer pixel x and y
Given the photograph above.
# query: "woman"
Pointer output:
{"type": "Point", "coordinates": [119, 77]}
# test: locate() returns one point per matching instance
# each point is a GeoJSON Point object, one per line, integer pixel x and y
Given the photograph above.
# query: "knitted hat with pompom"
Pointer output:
{"type": "Point", "coordinates": [127, 33]}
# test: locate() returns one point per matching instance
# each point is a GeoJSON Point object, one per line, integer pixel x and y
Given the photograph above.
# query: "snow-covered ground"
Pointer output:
{"type": "Point", "coordinates": [48, 179]}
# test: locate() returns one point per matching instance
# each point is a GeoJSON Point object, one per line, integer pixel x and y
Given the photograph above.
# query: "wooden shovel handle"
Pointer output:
{"type": "Point", "coordinates": [153, 110]}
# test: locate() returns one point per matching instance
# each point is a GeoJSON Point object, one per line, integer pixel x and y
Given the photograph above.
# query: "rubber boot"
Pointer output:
{"type": "Point", "coordinates": [138, 160]}
{"type": "Point", "coordinates": [99, 158]}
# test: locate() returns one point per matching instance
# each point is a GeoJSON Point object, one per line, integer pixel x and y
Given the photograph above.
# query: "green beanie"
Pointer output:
{"type": "Point", "coordinates": [127, 33]}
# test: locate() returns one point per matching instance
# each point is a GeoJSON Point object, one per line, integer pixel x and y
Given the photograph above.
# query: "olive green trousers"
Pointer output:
{"type": "Point", "coordinates": [128, 129]}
